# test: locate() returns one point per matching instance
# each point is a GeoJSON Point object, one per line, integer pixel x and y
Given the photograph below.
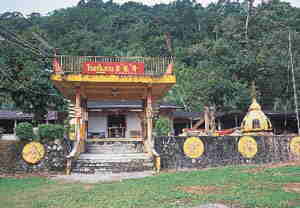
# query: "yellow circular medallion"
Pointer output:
{"type": "Point", "coordinates": [247, 146]}
{"type": "Point", "coordinates": [295, 145]}
{"type": "Point", "coordinates": [193, 147]}
{"type": "Point", "coordinates": [33, 152]}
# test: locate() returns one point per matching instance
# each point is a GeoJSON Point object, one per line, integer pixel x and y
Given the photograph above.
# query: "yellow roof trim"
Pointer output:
{"type": "Point", "coordinates": [165, 79]}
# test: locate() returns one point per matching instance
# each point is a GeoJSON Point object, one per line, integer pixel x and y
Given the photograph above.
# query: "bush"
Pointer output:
{"type": "Point", "coordinates": [162, 127]}
{"type": "Point", "coordinates": [50, 132]}
{"type": "Point", "coordinates": [24, 131]}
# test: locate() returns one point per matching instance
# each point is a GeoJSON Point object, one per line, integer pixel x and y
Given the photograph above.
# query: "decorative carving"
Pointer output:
{"type": "Point", "coordinates": [247, 146]}
{"type": "Point", "coordinates": [295, 145]}
{"type": "Point", "coordinates": [193, 147]}
{"type": "Point", "coordinates": [33, 152]}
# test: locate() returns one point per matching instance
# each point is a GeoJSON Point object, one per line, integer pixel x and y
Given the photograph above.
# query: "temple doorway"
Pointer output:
{"type": "Point", "coordinates": [116, 125]}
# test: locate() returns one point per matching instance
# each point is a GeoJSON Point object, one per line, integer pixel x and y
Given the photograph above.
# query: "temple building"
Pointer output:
{"type": "Point", "coordinates": [109, 138]}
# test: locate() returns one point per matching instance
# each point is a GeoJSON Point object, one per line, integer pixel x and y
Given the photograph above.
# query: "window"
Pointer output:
{"type": "Point", "coordinates": [255, 124]}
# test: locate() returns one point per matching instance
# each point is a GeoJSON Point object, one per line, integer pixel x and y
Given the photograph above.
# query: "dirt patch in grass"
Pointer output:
{"type": "Point", "coordinates": [294, 203]}
{"type": "Point", "coordinates": [274, 165]}
{"type": "Point", "coordinates": [87, 187]}
{"type": "Point", "coordinates": [292, 187]}
{"type": "Point", "coordinates": [202, 189]}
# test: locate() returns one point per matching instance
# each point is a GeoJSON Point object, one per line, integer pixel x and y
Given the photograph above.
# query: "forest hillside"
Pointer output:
{"type": "Point", "coordinates": [219, 50]}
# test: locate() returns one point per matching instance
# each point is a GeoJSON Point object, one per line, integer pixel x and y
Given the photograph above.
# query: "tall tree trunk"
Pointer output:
{"type": "Point", "coordinates": [249, 12]}
{"type": "Point", "coordinates": [294, 81]}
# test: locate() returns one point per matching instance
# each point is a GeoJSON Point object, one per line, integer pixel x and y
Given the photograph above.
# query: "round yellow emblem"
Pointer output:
{"type": "Point", "coordinates": [247, 146]}
{"type": "Point", "coordinates": [193, 147]}
{"type": "Point", "coordinates": [295, 145]}
{"type": "Point", "coordinates": [33, 152]}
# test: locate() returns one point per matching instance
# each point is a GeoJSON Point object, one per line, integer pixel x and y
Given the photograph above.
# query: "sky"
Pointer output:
{"type": "Point", "coordinates": [45, 6]}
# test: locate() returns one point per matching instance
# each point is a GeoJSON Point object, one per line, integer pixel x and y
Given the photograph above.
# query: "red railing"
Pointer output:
{"type": "Point", "coordinates": [152, 66]}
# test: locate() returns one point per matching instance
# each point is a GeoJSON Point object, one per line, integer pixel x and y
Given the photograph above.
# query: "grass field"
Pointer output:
{"type": "Point", "coordinates": [241, 186]}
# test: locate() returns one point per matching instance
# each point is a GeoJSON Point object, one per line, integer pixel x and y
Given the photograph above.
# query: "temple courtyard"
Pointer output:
{"type": "Point", "coordinates": [276, 186]}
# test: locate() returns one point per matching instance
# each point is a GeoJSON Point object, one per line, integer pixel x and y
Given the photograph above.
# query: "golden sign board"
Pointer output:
{"type": "Point", "coordinates": [295, 146]}
{"type": "Point", "coordinates": [247, 146]}
{"type": "Point", "coordinates": [193, 147]}
{"type": "Point", "coordinates": [33, 152]}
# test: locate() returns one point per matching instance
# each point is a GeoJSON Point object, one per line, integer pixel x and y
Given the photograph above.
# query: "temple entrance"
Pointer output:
{"type": "Point", "coordinates": [116, 126]}
{"type": "Point", "coordinates": [118, 137]}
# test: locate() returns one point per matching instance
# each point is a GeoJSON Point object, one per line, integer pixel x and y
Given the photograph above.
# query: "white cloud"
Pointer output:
{"type": "Point", "coordinates": [29, 6]}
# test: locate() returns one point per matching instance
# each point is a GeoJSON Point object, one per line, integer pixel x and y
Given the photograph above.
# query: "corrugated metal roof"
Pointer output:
{"type": "Point", "coordinates": [187, 115]}
{"type": "Point", "coordinates": [18, 115]}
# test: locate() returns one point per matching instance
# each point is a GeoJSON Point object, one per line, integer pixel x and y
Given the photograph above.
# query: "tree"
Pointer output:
{"type": "Point", "coordinates": [220, 49]}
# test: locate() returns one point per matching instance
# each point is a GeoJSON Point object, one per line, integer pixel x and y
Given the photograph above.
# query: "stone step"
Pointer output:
{"type": "Point", "coordinates": [86, 170]}
{"type": "Point", "coordinates": [110, 147]}
{"type": "Point", "coordinates": [96, 151]}
{"type": "Point", "coordinates": [114, 148]}
{"type": "Point", "coordinates": [114, 157]}
{"type": "Point", "coordinates": [88, 163]}
{"type": "Point", "coordinates": [107, 165]}
{"type": "Point", "coordinates": [113, 144]}
{"type": "Point", "coordinates": [101, 148]}
{"type": "Point", "coordinates": [114, 168]}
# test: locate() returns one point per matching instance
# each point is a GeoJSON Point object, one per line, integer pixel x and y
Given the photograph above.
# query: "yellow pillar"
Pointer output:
{"type": "Point", "coordinates": [78, 116]}
{"type": "Point", "coordinates": [149, 115]}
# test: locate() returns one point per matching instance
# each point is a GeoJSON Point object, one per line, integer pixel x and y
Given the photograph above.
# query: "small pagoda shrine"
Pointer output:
{"type": "Point", "coordinates": [255, 121]}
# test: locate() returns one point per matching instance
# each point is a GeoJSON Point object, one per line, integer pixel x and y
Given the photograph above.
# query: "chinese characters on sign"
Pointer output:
{"type": "Point", "coordinates": [121, 68]}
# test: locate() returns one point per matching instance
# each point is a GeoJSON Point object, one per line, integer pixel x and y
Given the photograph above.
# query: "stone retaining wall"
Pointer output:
{"type": "Point", "coordinates": [9, 155]}
{"type": "Point", "coordinates": [221, 151]}
{"type": "Point", "coordinates": [11, 160]}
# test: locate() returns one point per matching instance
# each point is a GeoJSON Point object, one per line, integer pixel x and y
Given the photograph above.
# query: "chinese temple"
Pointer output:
{"type": "Point", "coordinates": [106, 138]}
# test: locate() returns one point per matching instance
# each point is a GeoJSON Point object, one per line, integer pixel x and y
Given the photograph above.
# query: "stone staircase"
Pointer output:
{"type": "Point", "coordinates": [112, 157]}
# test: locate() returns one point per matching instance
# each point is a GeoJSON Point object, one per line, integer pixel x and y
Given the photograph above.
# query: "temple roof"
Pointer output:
{"type": "Point", "coordinates": [124, 104]}
{"type": "Point", "coordinates": [187, 115]}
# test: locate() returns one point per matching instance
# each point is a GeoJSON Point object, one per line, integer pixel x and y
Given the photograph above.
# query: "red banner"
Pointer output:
{"type": "Point", "coordinates": [121, 68]}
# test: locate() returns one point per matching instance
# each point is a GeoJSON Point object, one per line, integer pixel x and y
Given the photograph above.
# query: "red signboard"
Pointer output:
{"type": "Point", "coordinates": [121, 68]}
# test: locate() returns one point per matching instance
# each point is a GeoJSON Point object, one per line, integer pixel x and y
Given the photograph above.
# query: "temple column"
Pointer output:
{"type": "Point", "coordinates": [78, 116]}
{"type": "Point", "coordinates": [141, 116]}
{"type": "Point", "coordinates": [148, 112]}
{"type": "Point", "coordinates": [84, 122]}
{"type": "Point", "coordinates": [15, 126]}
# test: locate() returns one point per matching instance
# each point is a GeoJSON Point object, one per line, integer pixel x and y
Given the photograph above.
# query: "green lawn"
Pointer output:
{"type": "Point", "coordinates": [232, 185]}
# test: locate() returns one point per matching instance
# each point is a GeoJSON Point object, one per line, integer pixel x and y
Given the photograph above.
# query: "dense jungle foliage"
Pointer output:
{"type": "Point", "coordinates": [220, 49]}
